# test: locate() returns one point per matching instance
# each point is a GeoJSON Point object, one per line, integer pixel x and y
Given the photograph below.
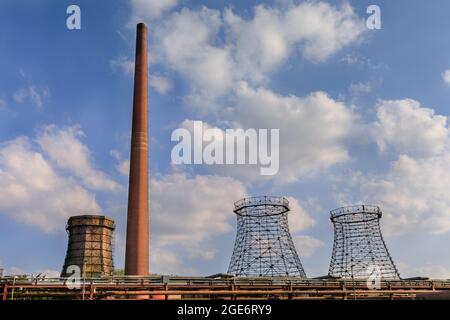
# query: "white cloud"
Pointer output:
{"type": "Point", "coordinates": [192, 209]}
{"type": "Point", "coordinates": [431, 270]}
{"type": "Point", "coordinates": [34, 193]}
{"type": "Point", "coordinates": [307, 245]}
{"type": "Point", "coordinates": [150, 9]}
{"type": "Point", "coordinates": [201, 252]}
{"type": "Point", "coordinates": [259, 44]}
{"type": "Point", "coordinates": [64, 147]}
{"type": "Point", "coordinates": [410, 129]}
{"type": "Point", "coordinates": [412, 194]}
{"type": "Point", "coordinates": [123, 64]}
{"type": "Point", "coordinates": [187, 213]}
{"type": "Point", "coordinates": [190, 42]}
{"type": "Point", "coordinates": [185, 43]}
{"type": "Point", "coordinates": [299, 218]}
{"type": "Point", "coordinates": [314, 130]}
{"type": "Point", "coordinates": [160, 84]}
{"type": "Point", "coordinates": [323, 28]}
{"type": "Point", "coordinates": [124, 167]}
{"type": "Point", "coordinates": [168, 262]}
{"type": "Point", "coordinates": [33, 95]}
{"type": "Point", "coordinates": [446, 77]}
{"type": "Point", "coordinates": [266, 40]}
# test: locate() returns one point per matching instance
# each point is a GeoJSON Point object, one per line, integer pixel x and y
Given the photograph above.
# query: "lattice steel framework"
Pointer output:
{"type": "Point", "coordinates": [359, 249]}
{"type": "Point", "coordinates": [264, 246]}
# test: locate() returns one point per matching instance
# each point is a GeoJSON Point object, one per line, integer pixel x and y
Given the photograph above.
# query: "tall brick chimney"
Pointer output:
{"type": "Point", "coordinates": [137, 245]}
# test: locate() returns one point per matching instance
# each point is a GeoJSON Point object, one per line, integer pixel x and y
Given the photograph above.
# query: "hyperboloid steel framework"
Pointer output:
{"type": "Point", "coordinates": [264, 246]}
{"type": "Point", "coordinates": [359, 250]}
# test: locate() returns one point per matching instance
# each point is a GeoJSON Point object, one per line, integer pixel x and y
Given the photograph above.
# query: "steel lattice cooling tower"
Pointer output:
{"type": "Point", "coordinates": [359, 250]}
{"type": "Point", "coordinates": [264, 246]}
{"type": "Point", "coordinates": [90, 245]}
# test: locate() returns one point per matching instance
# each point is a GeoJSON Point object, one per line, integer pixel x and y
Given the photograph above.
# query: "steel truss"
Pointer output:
{"type": "Point", "coordinates": [264, 247]}
{"type": "Point", "coordinates": [359, 250]}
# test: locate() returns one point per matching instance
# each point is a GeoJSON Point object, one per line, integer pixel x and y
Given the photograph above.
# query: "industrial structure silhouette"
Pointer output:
{"type": "Point", "coordinates": [263, 245]}
{"type": "Point", "coordinates": [359, 249]}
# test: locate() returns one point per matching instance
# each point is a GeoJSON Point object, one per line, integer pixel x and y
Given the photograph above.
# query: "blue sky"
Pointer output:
{"type": "Point", "coordinates": [382, 134]}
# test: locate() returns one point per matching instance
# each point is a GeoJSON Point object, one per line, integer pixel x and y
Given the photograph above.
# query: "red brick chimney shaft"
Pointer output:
{"type": "Point", "coordinates": [137, 246]}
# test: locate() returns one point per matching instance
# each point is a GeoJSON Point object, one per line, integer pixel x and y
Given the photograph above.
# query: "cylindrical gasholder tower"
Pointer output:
{"type": "Point", "coordinates": [137, 245]}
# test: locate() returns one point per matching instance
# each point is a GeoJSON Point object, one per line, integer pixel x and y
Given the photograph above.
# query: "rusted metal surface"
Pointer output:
{"type": "Point", "coordinates": [137, 246]}
{"type": "Point", "coordinates": [237, 288]}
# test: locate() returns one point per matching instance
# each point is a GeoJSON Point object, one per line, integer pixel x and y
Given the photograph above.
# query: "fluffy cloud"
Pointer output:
{"type": "Point", "coordinates": [307, 245]}
{"type": "Point", "coordinates": [190, 42]}
{"type": "Point", "coordinates": [64, 147]}
{"type": "Point", "coordinates": [205, 205]}
{"type": "Point", "coordinates": [314, 130]}
{"type": "Point", "coordinates": [187, 213]}
{"type": "Point", "coordinates": [192, 209]}
{"type": "Point", "coordinates": [164, 261]}
{"type": "Point", "coordinates": [299, 218]}
{"type": "Point", "coordinates": [431, 270]}
{"type": "Point", "coordinates": [410, 129]}
{"type": "Point", "coordinates": [412, 194]}
{"type": "Point", "coordinates": [123, 64]}
{"type": "Point", "coordinates": [185, 43]}
{"type": "Point", "coordinates": [124, 167]}
{"type": "Point", "coordinates": [33, 192]}
{"type": "Point", "coordinates": [446, 77]}
{"type": "Point", "coordinates": [150, 9]}
{"type": "Point", "coordinates": [160, 84]}
{"type": "Point", "coordinates": [319, 29]}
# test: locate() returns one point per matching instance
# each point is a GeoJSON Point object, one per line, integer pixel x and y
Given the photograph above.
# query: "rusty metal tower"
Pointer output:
{"type": "Point", "coordinates": [264, 246]}
{"type": "Point", "coordinates": [359, 250]}
{"type": "Point", "coordinates": [90, 246]}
